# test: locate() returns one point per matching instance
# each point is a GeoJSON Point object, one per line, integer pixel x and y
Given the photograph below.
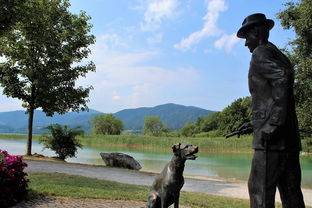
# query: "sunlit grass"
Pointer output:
{"type": "Point", "coordinates": [215, 144]}
{"type": "Point", "coordinates": [149, 143]}
{"type": "Point", "coordinates": [63, 185]}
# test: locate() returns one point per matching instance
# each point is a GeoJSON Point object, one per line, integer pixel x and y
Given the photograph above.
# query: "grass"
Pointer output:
{"type": "Point", "coordinates": [18, 136]}
{"type": "Point", "coordinates": [206, 144]}
{"type": "Point", "coordinates": [216, 144]}
{"type": "Point", "coordinates": [62, 185]}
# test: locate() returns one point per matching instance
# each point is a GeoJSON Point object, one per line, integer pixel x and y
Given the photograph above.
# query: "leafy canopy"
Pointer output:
{"type": "Point", "coordinates": [189, 129]}
{"type": "Point", "coordinates": [11, 11]}
{"type": "Point", "coordinates": [153, 126]}
{"type": "Point", "coordinates": [298, 17]}
{"type": "Point", "coordinates": [42, 53]}
{"type": "Point", "coordinates": [106, 124]}
{"type": "Point", "coordinates": [221, 123]}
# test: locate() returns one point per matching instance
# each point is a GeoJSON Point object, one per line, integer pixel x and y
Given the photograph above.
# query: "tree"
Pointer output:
{"type": "Point", "coordinates": [62, 140]}
{"type": "Point", "coordinates": [298, 16]}
{"type": "Point", "coordinates": [208, 123]}
{"type": "Point", "coordinates": [153, 126]}
{"type": "Point", "coordinates": [234, 115]}
{"type": "Point", "coordinates": [106, 124]}
{"type": "Point", "coordinates": [43, 52]}
{"type": "Point", "coordinates": [189, 129]}
{"type": "Point", "coordinates": [11, 11]}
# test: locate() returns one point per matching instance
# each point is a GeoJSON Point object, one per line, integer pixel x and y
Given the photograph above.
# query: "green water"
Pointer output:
{"type": "Point", "coordinates": [211, 165]}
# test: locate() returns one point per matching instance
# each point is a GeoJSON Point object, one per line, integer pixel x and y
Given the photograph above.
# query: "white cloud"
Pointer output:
{"type": "Point", "coordinates": [226, 42]}
{"type": "Point", "coordinates": [156, 11]}
{"type": "Point", "coordinates": [209, 28]}
{"type": "Point", "coordinates": [127, 80]}
{"type": "Point", "coordinates": [116, 97]}
{"type": "Point", "coordinates": [111, 41]}
{"type": "Point", "coordinates": [157, 38]}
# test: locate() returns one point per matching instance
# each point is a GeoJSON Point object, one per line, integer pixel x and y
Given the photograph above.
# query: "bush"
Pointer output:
{"type": "Point", "coordinates": [188, 130]}
{"type": "Point", "coordinates": [62, 140]}
{"type": "Point", "coordinates": [307, 145]}
{"type": "Point", "coordinates": [13, 181]}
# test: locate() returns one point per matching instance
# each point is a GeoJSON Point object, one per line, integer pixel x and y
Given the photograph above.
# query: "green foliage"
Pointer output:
{"type": "Point", "coordinates": [226, 121]}
{"type": "Point", "coordinates": [307, 145]}
{"type": "Point", "coordinates": [298, 17]}
{"type": "Point", "coordinates": [188, 130]}
{"type": "Point", "coordinates": [11, 11]}
{"type": "Point", "coordinates": [208, 123]}
{"type": "Point", "coordinates": [62, 140]}
{"type": "Point", "coordinates": [42, 54]}
{"type": "Point", "coordinates": [153, 126]}
{"type": "Point", "coordinates": [106, 124]}
{"type": "Point", "coordinates": [234, 115]}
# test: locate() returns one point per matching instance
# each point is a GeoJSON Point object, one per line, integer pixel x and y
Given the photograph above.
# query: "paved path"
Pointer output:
{"type": "Point", "coordinates": [221, 188]}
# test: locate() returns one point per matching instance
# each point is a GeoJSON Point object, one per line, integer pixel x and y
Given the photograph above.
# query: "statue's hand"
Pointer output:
{"type": "Point", "coordinates": [246, 128]}
{"type": "Point", "coordinates": [267, 131]}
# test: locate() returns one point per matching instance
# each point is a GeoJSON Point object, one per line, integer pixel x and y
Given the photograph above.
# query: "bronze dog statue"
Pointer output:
{"type": "Point", "coordinates": [166, 188]}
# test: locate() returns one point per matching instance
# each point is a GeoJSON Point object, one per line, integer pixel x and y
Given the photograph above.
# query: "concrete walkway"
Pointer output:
{"type": "Point", "coordinates": [215, 187]}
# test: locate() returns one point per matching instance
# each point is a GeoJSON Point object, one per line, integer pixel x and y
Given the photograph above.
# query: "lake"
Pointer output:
{"type": "Point", "coordinates": [207, 165]}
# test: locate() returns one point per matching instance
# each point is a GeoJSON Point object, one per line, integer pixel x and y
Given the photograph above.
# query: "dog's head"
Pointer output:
{"type": "Point", "coordinates": [185, 151]}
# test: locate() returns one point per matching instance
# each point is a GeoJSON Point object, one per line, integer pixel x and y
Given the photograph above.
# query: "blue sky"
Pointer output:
{"type": "Point", "coordinates": [152, 52]}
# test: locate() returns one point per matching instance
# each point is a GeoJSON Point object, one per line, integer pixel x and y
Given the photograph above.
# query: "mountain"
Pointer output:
{"type": "Point", "coordinates": [173, 115]}
{"type": "Point", "coordinates": [16, 121]}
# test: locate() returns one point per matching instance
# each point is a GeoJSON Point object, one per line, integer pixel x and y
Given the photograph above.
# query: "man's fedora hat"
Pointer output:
{"type": "Point", "coordinates": [252, 20]}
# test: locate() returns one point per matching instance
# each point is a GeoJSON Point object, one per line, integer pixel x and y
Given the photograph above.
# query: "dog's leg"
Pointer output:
{"type": "Point", "coordinates": [163, 199]}
{"type": "Point", "coordinates": [176, 200]}
{"type": "Point", "coordinates": [152, 200]}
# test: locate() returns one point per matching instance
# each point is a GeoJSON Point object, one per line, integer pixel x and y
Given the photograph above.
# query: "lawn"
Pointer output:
{"type": "Point", "coordinates": [63, 185]}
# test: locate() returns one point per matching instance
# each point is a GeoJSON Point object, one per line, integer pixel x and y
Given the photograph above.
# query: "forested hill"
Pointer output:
{"type": "Point", "coordinates": [16, 121]}
{"type": "Point", "coordinates": [175, 116]}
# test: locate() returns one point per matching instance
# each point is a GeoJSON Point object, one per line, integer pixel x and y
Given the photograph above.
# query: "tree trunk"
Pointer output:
{"type": "Point", "coordinates": [30, 128]}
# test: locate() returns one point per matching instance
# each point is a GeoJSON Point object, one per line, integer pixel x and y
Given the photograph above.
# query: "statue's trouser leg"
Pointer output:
{"type": "Point", "coordinates": [280, 167]}
{"type": "Point", "coordinates": [289, 183]}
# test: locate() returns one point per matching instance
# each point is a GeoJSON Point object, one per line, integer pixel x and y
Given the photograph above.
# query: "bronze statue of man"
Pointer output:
{"type": "Point", "coordinates": [276, 141]}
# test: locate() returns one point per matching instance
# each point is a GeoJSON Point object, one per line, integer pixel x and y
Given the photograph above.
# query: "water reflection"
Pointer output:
{"type": "Point", "coordinates": [216, 165]}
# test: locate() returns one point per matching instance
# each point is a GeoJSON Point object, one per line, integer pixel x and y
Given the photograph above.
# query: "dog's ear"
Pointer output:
{"type": "Point", "coordinates": [175, 147]}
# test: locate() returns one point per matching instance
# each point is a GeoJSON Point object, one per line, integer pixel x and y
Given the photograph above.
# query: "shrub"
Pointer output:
{"type": "Point", "coordinates": [62, 140]}
{"type": "Point", "coordinates": [13, 181]}
{"type": "Point", "coordinates": [188, 130]}
{"type": "Point", "coordinates": [307, 145]}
